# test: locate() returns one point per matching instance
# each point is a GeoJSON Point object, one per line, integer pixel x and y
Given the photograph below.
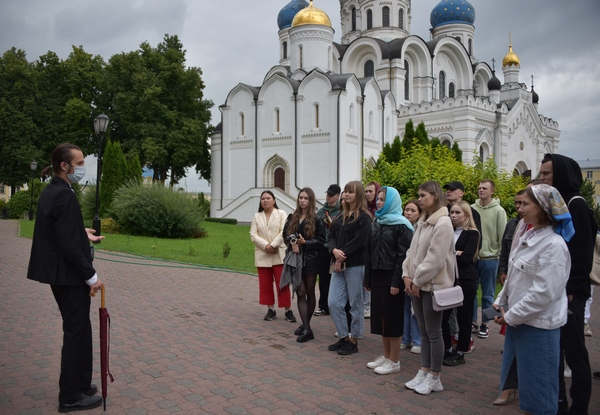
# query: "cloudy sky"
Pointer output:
{"type": "Point", "coordinates": [235, 41]}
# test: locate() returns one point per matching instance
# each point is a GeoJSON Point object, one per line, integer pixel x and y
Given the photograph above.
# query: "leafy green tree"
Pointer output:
{"type": "Point", "coordinates": [421, 134]}
{"type": "Point", "coordinates": [19, 134]}
{"type": "Point", "coordinates": [158, 109]}
{"type": "Point", "coordinates": [392, 151]}
{"type": "Point", "coordinates": [425, 162]}
{"type": "Point", "coordinates": [134, 168]}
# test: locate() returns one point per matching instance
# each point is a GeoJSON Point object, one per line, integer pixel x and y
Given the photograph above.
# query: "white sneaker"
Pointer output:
{"type": "Point", "coordinates": [376, 362]}
{"type": "Point", "coordinates": [586, 330]}
{"type": "Point", "coordinates": [406, 345]}
{"type": "Point", "coordinates": [367, 313]}
{"type": "Point", "coordinates": [568, 373]}
{"type": "Point", "coordinates": [415, 349]}
{"type": "Point", "coordinates": [429, 385]}
{"type": "Point", "coordinates": [388, 367]}
{"type": "Point", "coordinates": [417, 380]}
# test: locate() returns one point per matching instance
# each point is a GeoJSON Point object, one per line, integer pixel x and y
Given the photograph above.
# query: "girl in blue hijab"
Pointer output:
{"type": "Point", "coordinates": [390, 237]}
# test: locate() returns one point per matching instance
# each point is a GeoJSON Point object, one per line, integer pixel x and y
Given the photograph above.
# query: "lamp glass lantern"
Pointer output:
{"type": "Point", "coordinates": [33, 167]}
{"type": "Point", "coordinates": [100, 126]}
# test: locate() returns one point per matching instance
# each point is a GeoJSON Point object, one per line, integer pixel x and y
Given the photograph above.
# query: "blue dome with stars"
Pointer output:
{"type": "Point", "coordinates": [287, 14]}
{"type": "Point", "coordinates": [451, 12]}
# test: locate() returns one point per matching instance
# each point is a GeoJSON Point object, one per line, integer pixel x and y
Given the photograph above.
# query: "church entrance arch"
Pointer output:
{"type": "Point", "coordinates": [276, 173]}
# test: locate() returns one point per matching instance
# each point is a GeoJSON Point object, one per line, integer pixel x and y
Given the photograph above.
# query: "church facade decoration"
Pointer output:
{"type": "Point", "coordinates": [326, 107]}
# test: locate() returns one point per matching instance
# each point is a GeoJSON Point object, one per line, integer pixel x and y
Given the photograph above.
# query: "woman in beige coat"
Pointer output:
{"type": "Point", "coordinates": [269, 251]}
{"type": "Point", "coordinates": [430, 258]}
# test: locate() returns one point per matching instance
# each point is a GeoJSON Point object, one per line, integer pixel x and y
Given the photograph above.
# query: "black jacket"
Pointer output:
{"type": "Point", "coordinates": [310, 251]}
{"type": "Point", "coordinates": [60, 251]}
{"type": "Point", "coordinates": [507, 238]}
{"type": "Point", "coordinates": [351, 237]}
{"type": "Point", "coordinates": [386, 250]}
{"type": "Point", "coordinates": [567, 179]}
{"type": "Point", "coordinates": [467, 242]}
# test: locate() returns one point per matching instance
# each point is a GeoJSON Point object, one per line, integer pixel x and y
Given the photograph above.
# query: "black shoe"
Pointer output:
{"type": "Point", "coordinates": [299, 330]}
{"type": "Point", "coordinates": [484, 331]}
{"type": "Point", "coordinates": [83, 404]}
{"type": "Point", "coordinates": [454, 360]}
{"type": "Point", "coordinates": [336, 346]}
{"type": "Point", "coordinates": [91, 391]}
{"type": "Point", "coordinates": [271, 314]}
{"type": "Point", "coordinates": [289, 316]}
{"type": "Point", "coordinates": [596, 375]}
{"type": "Point", "coordinates": [306, 336]}
{"type": "Point", "coordinates": [348, 348]}
{"type": "Point", "coordinates": [321, 312]}
{"type": "Point", "coordinates": [563, 408]}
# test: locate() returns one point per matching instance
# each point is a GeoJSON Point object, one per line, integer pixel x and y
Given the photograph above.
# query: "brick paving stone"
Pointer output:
{"type": "Point", "coordinates": [171, 353]}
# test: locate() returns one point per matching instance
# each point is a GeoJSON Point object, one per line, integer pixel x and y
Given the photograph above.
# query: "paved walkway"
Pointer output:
{"type": "Point", "coordinates": [193, 341]}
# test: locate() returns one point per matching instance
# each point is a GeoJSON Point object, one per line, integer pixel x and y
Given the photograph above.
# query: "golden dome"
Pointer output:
{"type": "Point", "coordinates": [311, 15]}
{"type": "Point", "coordinates": [511, 59]}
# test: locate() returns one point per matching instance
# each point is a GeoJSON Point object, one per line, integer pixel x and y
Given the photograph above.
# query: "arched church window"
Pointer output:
{"type": "Point", "coordinates": [470, 47]}
{"type": "Point", "coordinates": [241, 126]}
{"type": "Point", "coordinates": [353, 19]}
{"type": "Point", "coordinates": [301, 58]}
{"type": "Point", "coordinates": [401, 19]}
{"type": "Point", "coordinates": [316, 115]}
{"type": "Point", "coordinates": [451, 90]}
{"type": "Point", "coordinates": [406, 81]}
{"type": "Point", "coordinates": [385, 16]}
{"type": "Point", "coordinates": [446, 143]}
{"type": "Point", "coordinates": [284, 50]}
{"type": "Point", "coordinates": [276, 120]}
{"type": "Point", "coordinates": [481, 154]}
{"type": "Point", "coordinates": [369, 68]}
{"type": "Point", "coordinates": [279, 178]}
{"type": "Point", "coordinates": [369, 19]}
{"type": "Point", "coordinates": [442, 85]}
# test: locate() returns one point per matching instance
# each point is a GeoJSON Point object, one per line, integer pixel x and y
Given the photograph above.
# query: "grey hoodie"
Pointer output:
{"type": "Point", "coordinates": [493, 222]}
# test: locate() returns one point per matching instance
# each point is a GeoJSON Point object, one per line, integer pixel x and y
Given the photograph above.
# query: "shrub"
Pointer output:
{"type": "Point", "coordinates": [109, 225]}
{"type": "Point", "coordinates": [229, 221]}
{"type": "Point", "coordinates": [156, 211]}
{"type": "Point", "coordinates": [18, 204]}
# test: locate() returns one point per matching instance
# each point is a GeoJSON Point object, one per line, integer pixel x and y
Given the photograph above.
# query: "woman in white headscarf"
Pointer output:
{"type": "Point", "coordinates": [538, 270]}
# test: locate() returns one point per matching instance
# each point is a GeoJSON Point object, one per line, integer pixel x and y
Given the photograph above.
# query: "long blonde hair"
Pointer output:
{"type": "Point", "coordinates": [359, 204]}
{"type": "Point", "coordinates": [469, 224]}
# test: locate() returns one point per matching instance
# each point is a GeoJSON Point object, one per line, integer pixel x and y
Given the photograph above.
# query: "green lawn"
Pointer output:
{"type": "Point", "coordinates": [206, 251]}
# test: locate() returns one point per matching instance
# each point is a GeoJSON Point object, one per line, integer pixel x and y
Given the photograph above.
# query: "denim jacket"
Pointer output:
{"type": "Point", "coordinates": [538, 270]}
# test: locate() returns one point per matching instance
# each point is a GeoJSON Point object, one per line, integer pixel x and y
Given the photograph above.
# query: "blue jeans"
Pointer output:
{"type": "Point", "coordinates": [366, 295]}
{"type": "Point", "coordinates": [347, 286]}
{"type": "Point", "coordinates": [411, 326]}
{"type": "Point", "coordinates": [487, 269]}
{"type": "Point", "coordinates": [537, 352]}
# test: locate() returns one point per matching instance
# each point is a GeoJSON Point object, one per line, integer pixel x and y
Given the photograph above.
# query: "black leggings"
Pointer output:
{"type": "Point", "coordinates": [464, 316]}
{"type": "Point", "coordinates": [307, 300]}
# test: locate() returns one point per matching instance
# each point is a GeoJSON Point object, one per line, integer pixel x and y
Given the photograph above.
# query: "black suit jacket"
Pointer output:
{"type": "Point", "coordinates": [60, 252]}
{"type": "Point", "coordinates": [467, 242]}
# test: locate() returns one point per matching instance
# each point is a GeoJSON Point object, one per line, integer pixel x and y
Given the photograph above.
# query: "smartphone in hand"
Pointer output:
{"type": "Point", "coordinates": [490, 313]}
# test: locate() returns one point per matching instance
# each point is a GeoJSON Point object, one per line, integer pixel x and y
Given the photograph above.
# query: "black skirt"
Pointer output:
{"type": "Point", "coordinates": [387, 310]}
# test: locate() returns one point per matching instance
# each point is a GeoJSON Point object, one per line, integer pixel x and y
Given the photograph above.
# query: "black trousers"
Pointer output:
{"type": "Point", "coordinates": [76, 356]}
{"type": "Point", "coordinates": [572, 347]}
{"type": "Point", "coordinates": [324, 278]}
{"type": "Point", "coordinates": [464, 317]}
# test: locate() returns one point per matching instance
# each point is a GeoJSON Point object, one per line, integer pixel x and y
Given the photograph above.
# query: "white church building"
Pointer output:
{"type": "Point", "coordinates": [327, 107]}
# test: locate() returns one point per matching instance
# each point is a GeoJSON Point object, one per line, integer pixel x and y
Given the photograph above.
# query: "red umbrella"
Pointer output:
{"type": "Point", "coordinates": [104, 347]}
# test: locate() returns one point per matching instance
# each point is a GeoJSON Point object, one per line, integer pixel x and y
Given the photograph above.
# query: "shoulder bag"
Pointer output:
{"type": "Point", "coordinates": [447, 298]}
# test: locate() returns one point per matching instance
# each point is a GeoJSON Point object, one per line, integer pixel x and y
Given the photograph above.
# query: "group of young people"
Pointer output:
{"type": "Point", "coordinates": [402, 256]}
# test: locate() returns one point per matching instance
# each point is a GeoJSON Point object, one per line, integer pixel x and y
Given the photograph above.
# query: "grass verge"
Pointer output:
{"type": "Point", "coordinates": [210, 251]}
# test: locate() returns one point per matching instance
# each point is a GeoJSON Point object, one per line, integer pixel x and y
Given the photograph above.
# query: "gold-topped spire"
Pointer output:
{"type": "Point", "coordinates": [511, 58]}
{"type": "Point", "coordinates": [311, 15]}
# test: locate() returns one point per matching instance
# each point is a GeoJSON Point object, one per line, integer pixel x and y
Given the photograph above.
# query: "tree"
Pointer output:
{"type": "Point", "coordinates": [457, 152]}
{"type": "Point", "coordinates": [18, 91]}
{"type": "Point", "coordinates": [425, 162]}
{"type": "Point", "coordinates": [114, 172]}
{"type": "Point", "coordinates": [392, 151]}
{"type": "Point", "coordinates": [158, 110]}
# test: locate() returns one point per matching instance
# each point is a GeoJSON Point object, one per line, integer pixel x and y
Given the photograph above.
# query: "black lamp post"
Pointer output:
{"type": "Point", "coordinates": [32, 166]}
{"type": "Point", "coordinates": [100, 126]}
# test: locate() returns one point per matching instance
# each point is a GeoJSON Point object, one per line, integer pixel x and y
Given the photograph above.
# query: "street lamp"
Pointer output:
{"type": "Point", "coordinates": [32, 166]}
{"type": "Point", "coordinates": [100, 126]}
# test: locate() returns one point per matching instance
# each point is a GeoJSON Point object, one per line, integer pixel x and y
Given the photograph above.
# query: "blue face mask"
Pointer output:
{"type": "Point", "coordinates": [78, 173]}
